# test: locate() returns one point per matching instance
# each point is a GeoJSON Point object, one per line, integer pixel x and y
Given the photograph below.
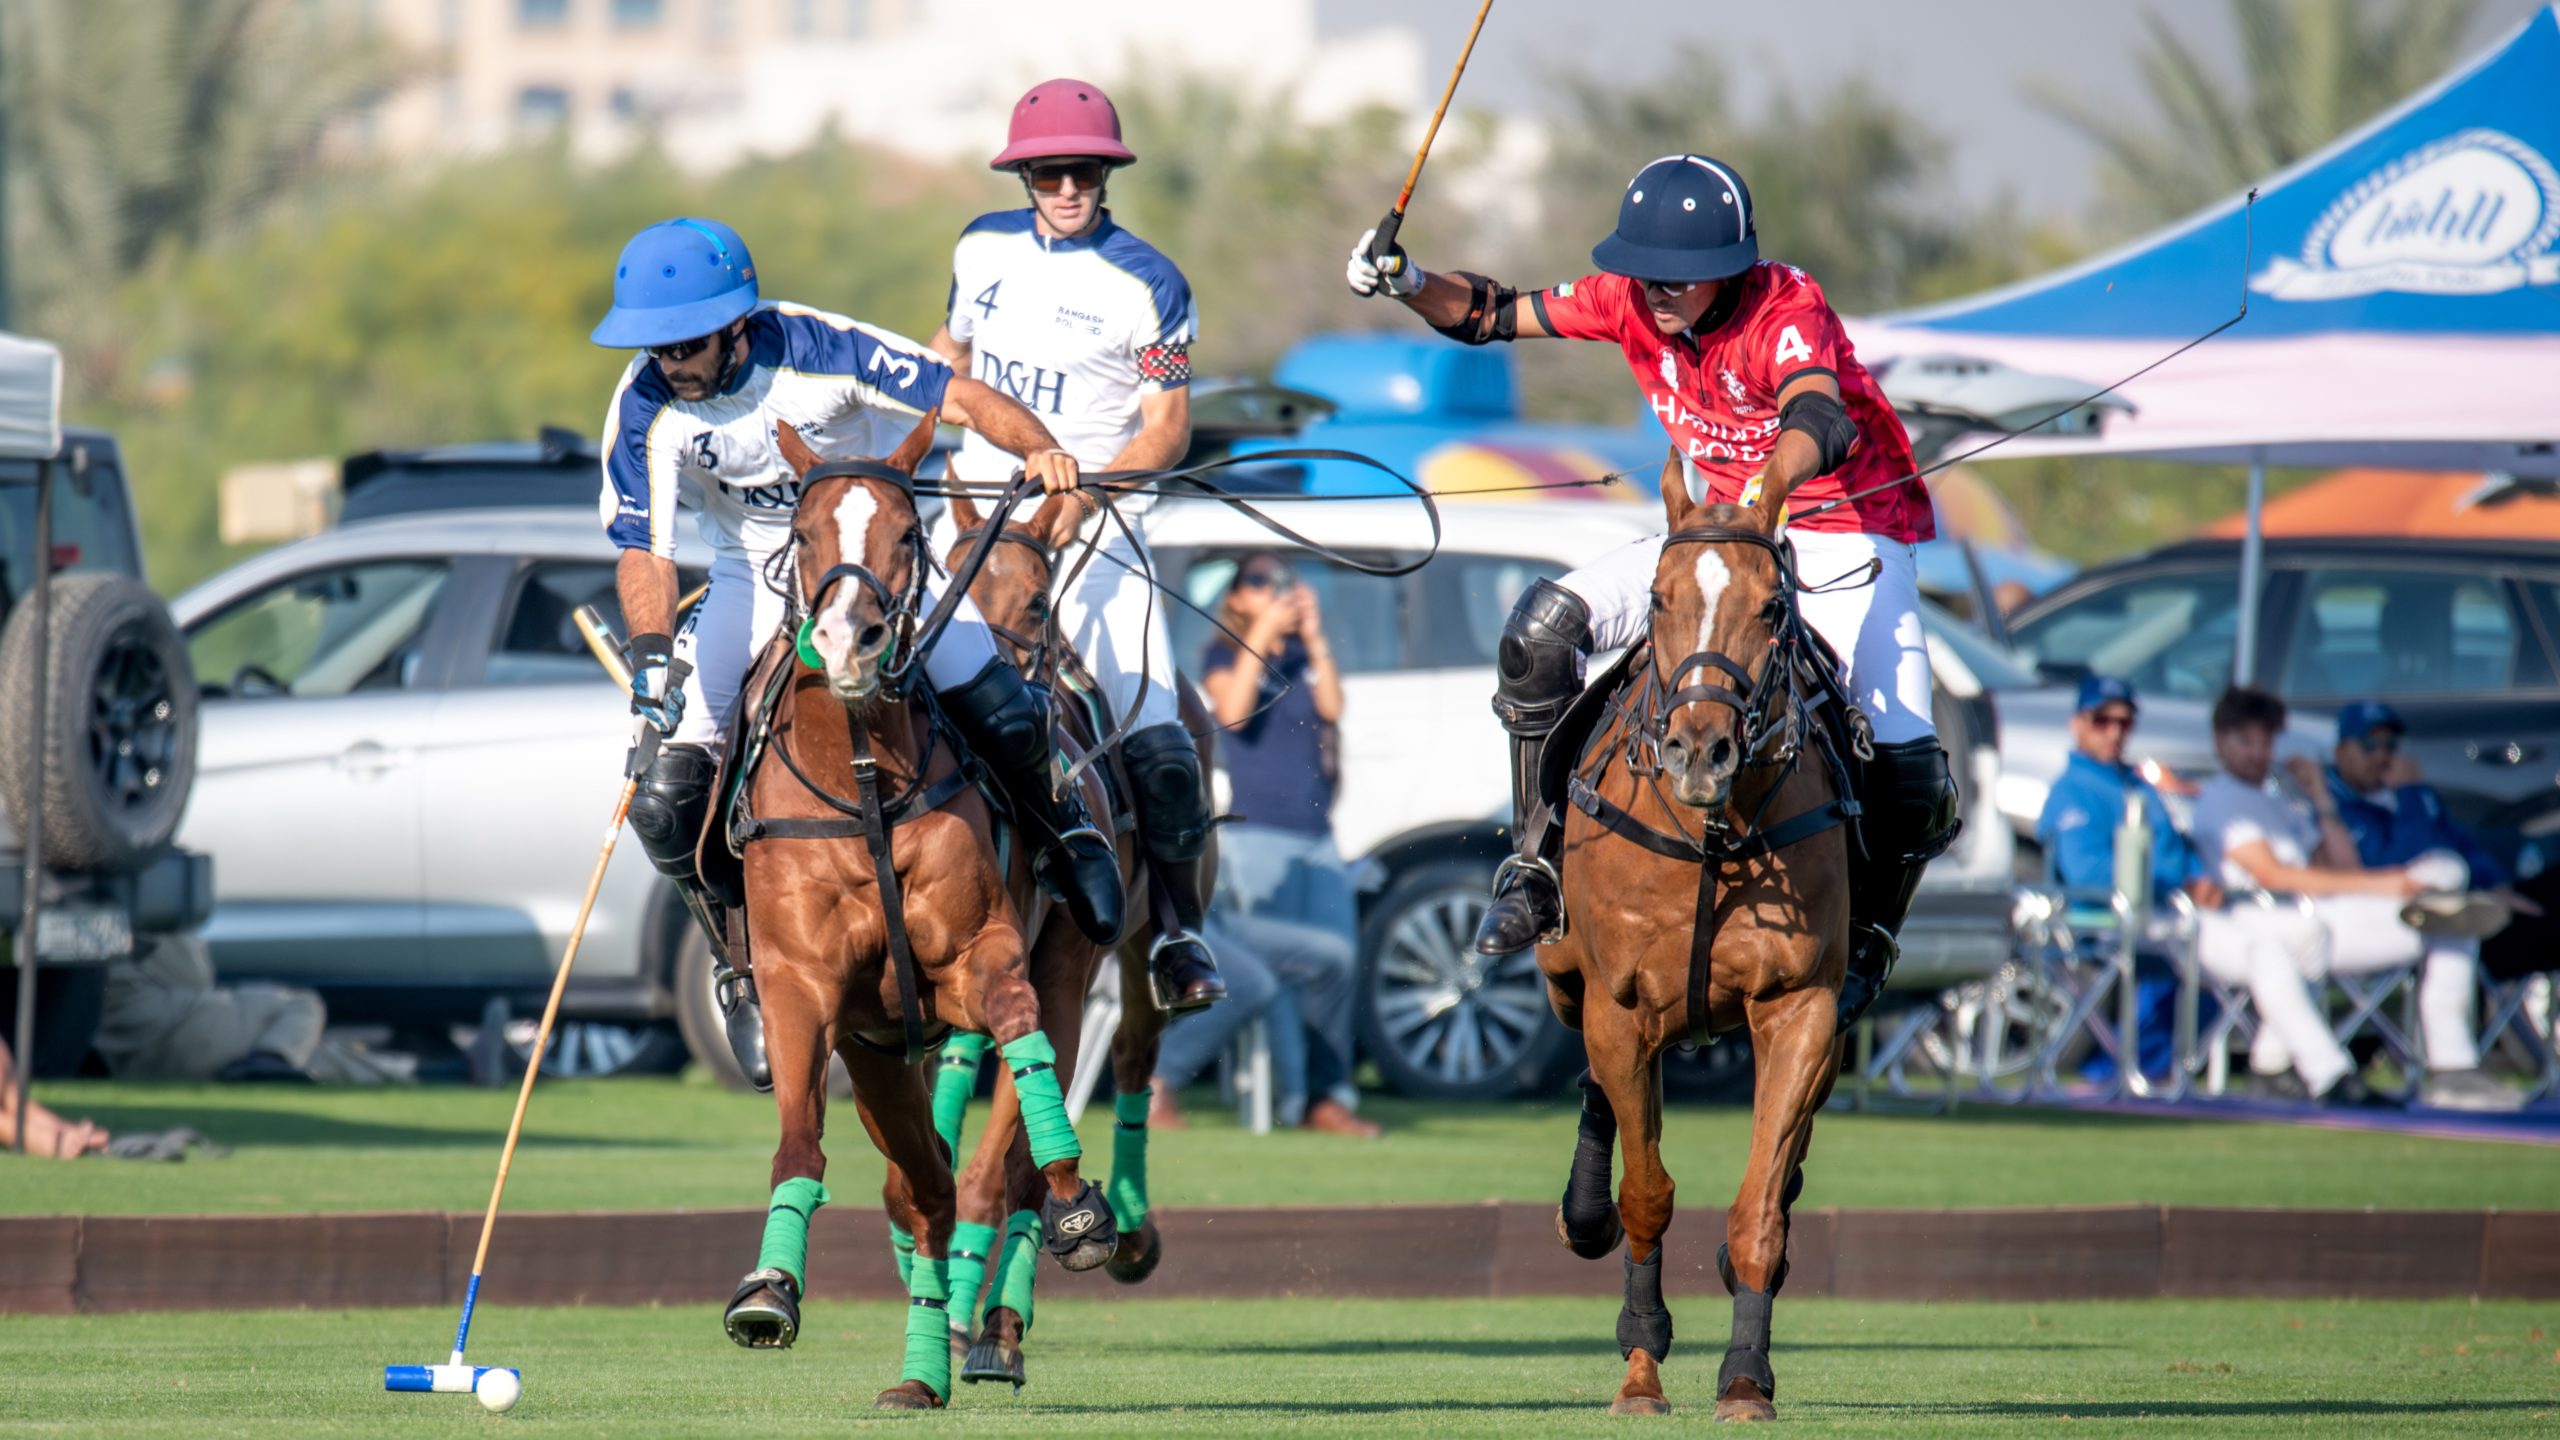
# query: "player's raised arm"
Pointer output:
{"type": "Point", "coordinates": [1470, 309]}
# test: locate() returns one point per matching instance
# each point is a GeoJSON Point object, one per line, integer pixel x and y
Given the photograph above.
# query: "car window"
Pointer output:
{"type": "Point", "coordinates": [91, 529]}
{"type": "Point", "coordinates": [1363, 614]}
{"type": "Point", "coordinates": [1464, 601]}
{"type": "Point", "coordinates": [2545, 596]}
{"type": "Point", "coordinates": [1993, 667]}
{"type": "Point", "coordinates": [2373, 631]}
{"type": "Point", "coordinates": [321, 633]}
{"type": "Point", "coordinates": [540, 643]}
{"type": "Point", "coordinates": [2169, 634]}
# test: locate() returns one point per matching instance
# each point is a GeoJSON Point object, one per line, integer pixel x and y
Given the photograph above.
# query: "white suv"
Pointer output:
{"type": "Point", "coordinates": [1425, 787]}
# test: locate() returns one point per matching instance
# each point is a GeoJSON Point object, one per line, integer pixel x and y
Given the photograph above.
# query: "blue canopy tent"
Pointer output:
{"type": "Point", "coordinates": [2401, 293]}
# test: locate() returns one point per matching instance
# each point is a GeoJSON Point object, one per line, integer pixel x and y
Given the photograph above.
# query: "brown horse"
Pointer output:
{"type": "Point", "coordinates": [1012, 590]}
{"type": "Point", "coordinates": [877, 910]}
{"type": "Point", "coordinates": [1716, 902]}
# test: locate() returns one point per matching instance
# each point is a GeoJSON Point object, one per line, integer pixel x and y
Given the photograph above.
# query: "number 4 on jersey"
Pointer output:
{"type": "Point", "coordinates": [986, 301]}
{"type": "Point", "coordinates": [1791, 346]}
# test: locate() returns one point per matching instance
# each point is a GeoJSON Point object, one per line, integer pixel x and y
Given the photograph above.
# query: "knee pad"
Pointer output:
{"type": "Point", "coordinates": [1173, 794]}
{"type": "Point", "coordinates": [1909, 799]}
{"type": "Point", "coordinates": [670, 805]}
{"type": "Point", "coordinates": [1538, 663]}
{"type": "Point", "coordinates": [1004, 719]}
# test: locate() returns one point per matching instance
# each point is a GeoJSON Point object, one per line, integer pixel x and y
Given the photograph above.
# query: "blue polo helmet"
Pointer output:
{"type": "Point", "coordinates": [1684, 218]}
{"type": "Point", "coordinates": [677, 280]}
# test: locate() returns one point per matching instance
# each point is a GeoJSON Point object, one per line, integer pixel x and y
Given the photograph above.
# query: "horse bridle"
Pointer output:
{"type": "Point", "coordinates": [1033, 652]}
{"type": "Point", "coordinates": [904, 608]}
{"type": "Point", "coordinates": [1759, 695]}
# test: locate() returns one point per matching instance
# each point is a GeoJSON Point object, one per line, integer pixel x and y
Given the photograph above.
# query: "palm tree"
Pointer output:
{"type": "Point", "coordinates": [2310, 71]}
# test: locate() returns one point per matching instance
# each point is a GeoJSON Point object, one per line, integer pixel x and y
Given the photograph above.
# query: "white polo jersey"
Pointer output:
{"type": "Point", "coordinates": [852, 391]}
{"type": "Point", "coordinates": [1077, 330]}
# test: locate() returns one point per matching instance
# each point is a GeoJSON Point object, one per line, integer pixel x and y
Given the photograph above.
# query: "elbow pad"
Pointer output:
{"type": "Point", "coordinates": [1821, 419]}
{"type": "Point", "coordinates": [1493, 311]}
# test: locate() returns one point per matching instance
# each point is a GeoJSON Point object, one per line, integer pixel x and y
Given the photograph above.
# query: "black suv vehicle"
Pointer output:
{"type": "Point", "coordinates": [120, 703]}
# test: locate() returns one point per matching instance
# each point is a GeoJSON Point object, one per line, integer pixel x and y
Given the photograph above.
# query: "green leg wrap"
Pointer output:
{"type": "Point", "coordinates": [1017, 1265]}
{"type": "Point", "coordinates": [786, 1228]}
{"type": "Point", "coordinates": [1044, 1105]}
{"type": "Point", "coordinates": [928, 1332]}
{"type": "Point", "coordinates": [902, 1248]}
{"type": "Point", "coordinates": [971, 1247]}
{"type": "Point", "coordinates": [1128, 1187]}
{"type": "Point", "coordinates": [953, 1083]}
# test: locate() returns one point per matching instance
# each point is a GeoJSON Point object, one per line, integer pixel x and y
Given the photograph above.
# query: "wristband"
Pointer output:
{"type": "Point", "coordinates": [649, 649]}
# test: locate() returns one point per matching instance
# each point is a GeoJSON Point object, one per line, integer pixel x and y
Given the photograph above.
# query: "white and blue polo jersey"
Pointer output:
{"type": "Point", "coordinates": [853, 391]}
{"type": "Point", "coordinates": [1077, 330]}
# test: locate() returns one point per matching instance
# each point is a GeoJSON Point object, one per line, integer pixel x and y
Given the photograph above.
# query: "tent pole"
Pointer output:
{"type": "Point", "coordinates": [31, 910]}
{"type": "Point", "coordinates": [2253, 558]}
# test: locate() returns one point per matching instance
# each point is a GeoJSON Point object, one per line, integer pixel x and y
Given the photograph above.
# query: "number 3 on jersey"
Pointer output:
{"type": "Point", "coordinates": [986, 301]}
{"type": "Point", "coordinates": [1791, 345]}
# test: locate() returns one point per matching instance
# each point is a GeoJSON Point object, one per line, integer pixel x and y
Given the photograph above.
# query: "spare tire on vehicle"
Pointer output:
{"type": "Point", "coordinates": [120, 699]}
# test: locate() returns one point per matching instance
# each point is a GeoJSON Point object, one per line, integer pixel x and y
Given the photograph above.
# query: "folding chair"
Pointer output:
{"type": "Point", "coordinates": [2523, 1007]}
{"type": "Point", "coordinates": [2096, 946]}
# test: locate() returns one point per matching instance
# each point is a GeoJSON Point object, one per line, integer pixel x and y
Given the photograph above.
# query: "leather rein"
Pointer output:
{"type": "Point", "coordinates": [1778, 727]}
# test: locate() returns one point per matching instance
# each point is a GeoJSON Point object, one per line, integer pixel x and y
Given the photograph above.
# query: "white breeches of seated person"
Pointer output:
{"type": "Point", "coordinates": [725, 633]}
{"type": "Point", "coordinates": [2366, 934]}
{"type": "Point", "coordinates": [2279, 955]}
{"type": "Point", "coordinates": [1875, 628]}
{"type": "Point", "coordinates": [1119, 625]}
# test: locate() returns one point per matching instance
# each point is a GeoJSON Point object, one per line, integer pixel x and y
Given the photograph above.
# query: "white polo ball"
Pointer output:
{"type": "Point", "coordinates": [498, 1391]}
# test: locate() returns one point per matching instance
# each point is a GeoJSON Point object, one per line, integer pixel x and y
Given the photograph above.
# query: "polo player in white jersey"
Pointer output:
{"type": "Point", "coordinates": [1091, 327]}
{"type": "Point", "coordinates": [692, 425]}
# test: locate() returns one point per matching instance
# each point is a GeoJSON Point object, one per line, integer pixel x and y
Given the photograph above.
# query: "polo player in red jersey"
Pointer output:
{"type": "Point", "coordinates": [1750, 371]}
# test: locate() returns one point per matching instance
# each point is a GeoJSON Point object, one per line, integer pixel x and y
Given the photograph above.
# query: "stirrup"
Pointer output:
{"type": "Point", "coordinates": [1172, 1004]}
{"type": "Point", "coordinates": [1509, 871]}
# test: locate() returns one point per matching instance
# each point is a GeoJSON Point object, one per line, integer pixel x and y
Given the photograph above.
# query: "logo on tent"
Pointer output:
{"type": "Point", "coordinates": [2472, 214]}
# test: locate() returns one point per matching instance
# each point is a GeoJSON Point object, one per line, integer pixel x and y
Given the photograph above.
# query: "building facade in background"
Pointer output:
{"type": "Point", "coordinates": [723, 80]}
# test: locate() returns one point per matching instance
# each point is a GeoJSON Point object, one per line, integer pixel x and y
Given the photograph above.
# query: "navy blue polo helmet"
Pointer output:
{"type": "Point", "coordinates": [1684, 218]}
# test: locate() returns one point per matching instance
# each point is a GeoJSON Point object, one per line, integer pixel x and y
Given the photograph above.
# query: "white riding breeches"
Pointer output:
{"type": "Point", "coordinates": [725, 633]}
{"type": "Point", "coordinates": [1875, 628]}
{"type": "Point", "coordinates": [2278, 954]}
{"type": "Point", "coordinates": [1117, 622]}
{"type": "Point", "coordinates": [2366, 934]}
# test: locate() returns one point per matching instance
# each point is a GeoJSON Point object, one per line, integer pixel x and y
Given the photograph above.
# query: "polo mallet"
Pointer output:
{"type": "Point", "coordinates": [454, 1377]}
{"type": "Point", "coordinates": [1382, 248]}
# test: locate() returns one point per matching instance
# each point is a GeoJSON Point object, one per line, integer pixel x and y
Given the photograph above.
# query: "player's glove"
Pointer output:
{"type": "Point", "coordinates": [1398, 278]}
{"type": "Point", "coordinates": [655, 695]}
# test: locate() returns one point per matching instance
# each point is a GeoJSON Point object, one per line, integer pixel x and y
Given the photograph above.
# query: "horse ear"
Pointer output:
{"type": "Point", "coordinates": [965, 514]}
{"type": "Point", "coordinates": [918, 444]}
{"type": "Point", "coordinates": [795, 451]}
{"type": "Point", "coordinates": [1677, 508]}
{"type": "Point", "coordinates": [1055, 522]}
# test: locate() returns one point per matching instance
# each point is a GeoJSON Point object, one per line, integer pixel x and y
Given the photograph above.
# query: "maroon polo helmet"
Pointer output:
{"type": "Point", "coordinates": [1058, 118]}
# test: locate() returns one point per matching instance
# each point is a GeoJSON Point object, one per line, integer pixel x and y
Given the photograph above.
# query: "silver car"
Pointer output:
{"type": "Point", "coordinates": [406, 763]}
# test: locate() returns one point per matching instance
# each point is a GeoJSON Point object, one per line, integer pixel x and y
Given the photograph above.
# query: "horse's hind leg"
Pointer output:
{"type": "Point", "coordinates": [1587, 1219]}
{"type": "Point", "coordinates": [764, 1314]}
{"type": "Point", "coordinates": [1075, 1219]}
{"type": "Point", "coordinates": [997, 1353]}
{"type": "Point", "coordinates": [986, 1189]}
{"type": "Point", "coordinates": [896, 1104]}
{"type": "Point", "coordinates": [1134, 1049]}
{"type": "Point", "coordinates": [1631, 1080]}
{"type": "Point", "coordinates": [1795, 1048]}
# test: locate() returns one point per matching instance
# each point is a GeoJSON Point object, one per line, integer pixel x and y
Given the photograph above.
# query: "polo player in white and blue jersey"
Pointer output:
{"type": "Point", "coordinates": [692, 426]}
{"type": "Point", "coordinates": [1091, 327]}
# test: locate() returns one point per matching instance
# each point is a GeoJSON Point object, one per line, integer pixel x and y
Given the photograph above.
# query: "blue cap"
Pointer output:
{"type": "Point", "coordinates": [2100, 690]}
{"type": "Point", "coordinates": [2360, 718]}
{"type": "Point", "coordinates": [678, 280]}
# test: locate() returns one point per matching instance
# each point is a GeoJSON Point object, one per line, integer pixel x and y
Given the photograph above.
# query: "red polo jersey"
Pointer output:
{"type": "Point", "coordinates": [1718, 393]}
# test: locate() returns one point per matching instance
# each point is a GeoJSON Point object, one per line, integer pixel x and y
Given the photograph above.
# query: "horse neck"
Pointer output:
{"type": "Point", "coordinates": [819, 729]}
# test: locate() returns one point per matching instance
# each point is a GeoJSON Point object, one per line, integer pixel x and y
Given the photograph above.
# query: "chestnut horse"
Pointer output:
{"type": "Point", "coordinates": [1720, 902]}
{"type": "Point", "coordinates": [877, 909]}
{"type": "Point", "coordinates": [1012, 589]}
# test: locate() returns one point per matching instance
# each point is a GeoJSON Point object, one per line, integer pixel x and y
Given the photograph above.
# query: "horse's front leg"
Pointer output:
{"type": "Point", "coordinates": [895, 1100]}
{"type": "Point", "coordinates": [1075, 1219]}
{"type": "Point", "coordinates": [799, 1022]}
{"type": "Point", "coordinates": [1135, 1045]}
{"type": "Point", "coordinates": [1630, 1077]}
{"type": "Point", "coordinates": [1795, 1048]}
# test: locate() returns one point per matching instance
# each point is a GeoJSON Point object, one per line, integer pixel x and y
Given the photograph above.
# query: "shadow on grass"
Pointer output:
{"type": "Point", "coordinates": [1568, 1347]}
{"type": "Point", "coordinates": [258, 1126]}
{"type": "Point", "coordinates": [2369, 1410]}
{"type": "Point", "coordinates": [1318, 1409]}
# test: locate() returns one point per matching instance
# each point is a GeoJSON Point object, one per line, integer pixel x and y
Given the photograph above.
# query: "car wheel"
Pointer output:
{"type": "Point", "coordinates": [120, 701]}
{"type": "Point", "coordinates": [596, 1049]}
{"type": "Point", "coordinates": [1440, 1020]}
{"type": "Point", "coordinates": [706, 1039]}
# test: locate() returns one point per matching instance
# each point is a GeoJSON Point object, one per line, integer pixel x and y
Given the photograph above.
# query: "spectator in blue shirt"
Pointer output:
{"type": "Point", "coordinates": [2396, 818]}
{"type": "Point", "coordinates": [2276, 953]}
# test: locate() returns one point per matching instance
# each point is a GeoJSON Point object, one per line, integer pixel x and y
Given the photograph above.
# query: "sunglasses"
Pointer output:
{"type": "Point", "coordinates": [682, 350]}
{"type": "Point", "coordinates": [1670, 289]}
{"type": "Point", "coordinates": [1050, 179]}
{"type": "Point", "coordinates": [2111, 720]}
{"type": "Point", "coordinates": [1280, 580]}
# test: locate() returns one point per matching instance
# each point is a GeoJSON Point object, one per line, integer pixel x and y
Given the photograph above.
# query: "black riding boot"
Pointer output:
{"type": "Point", "coordinates": [667, 813]}
{"type": "Point", "coordinates": [1538, 672]}
{"type": "Point", "coordinates": [1006, 724]}
{"type": "Point", "coordinates": [1173, 826]}
{"type": "Point", "coordinates": [1908, 804]}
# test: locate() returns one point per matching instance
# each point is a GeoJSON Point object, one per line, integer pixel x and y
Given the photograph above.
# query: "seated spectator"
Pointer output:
{"type": "Point", "coordinates": [2397, 819]}
{"type": "Point", "coordinates": [2273, 952]}
{"type": "Point", "coordinates": [2255, 836]}
{"type": "Point", "coordinates": [49, 1136]}
{"type": "Point", "coordinates": [1279, 697]}
{"type": "Point", "coordinates": [1277, 971]}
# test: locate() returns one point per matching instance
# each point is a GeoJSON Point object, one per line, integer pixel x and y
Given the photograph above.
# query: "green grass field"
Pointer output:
{"type": "Point", "coordinates": [1305, 1367]}
{"type": "Point", "coordinates": [645, 1144]}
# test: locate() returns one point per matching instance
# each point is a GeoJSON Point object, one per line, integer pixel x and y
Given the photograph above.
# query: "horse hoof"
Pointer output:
{"type": "Point", "coordinates": [1591, 1246]}
{"type": "Point", "coordinates": [1742, 1403]}
{"type": "Point", "coordinates": [1139, 1254]}
{"type": "Point", "coordinates": [993, 1359]}
{"type": "Point", "coordinates": [1080, 1232]}
{"type": "Point", "coordinates": [907, 1395]}
{"type": "Point", "coordinates": [765, 1314]}
{"type": "Point", "coordinates": [1640, 1405]}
